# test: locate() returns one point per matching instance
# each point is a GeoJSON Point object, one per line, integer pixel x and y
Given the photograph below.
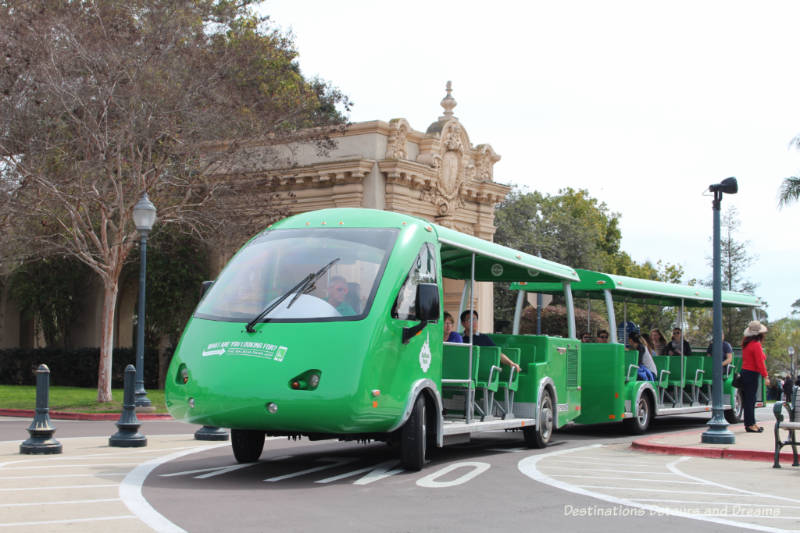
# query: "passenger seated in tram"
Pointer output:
{"type": "Point", "coordinates": [337, 295]}
{"type": "Point", "coordinates": [450, 333]}
{"type": "Point", "coordinates": [647, 366]}
{"type": "Point", "coordinates": [479, 339]}
{"type": "Point", "coordinates": [586, 337]}
{"type": "Point", "coordinates": [657, 341]}
{"type": "Point", "coordinates": [674, 346]}
{"type": "Point", "coordinates": [602, 335]}
{"type": "Point", "coordinates": [727, 351]}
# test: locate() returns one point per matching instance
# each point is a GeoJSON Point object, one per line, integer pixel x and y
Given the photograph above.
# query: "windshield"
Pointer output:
{"type": "Point", "coordinates": [271, 265]}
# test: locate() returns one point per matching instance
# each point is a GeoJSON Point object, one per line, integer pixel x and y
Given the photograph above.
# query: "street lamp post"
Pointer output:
{"type": "Point", "coordinates": [144, 215]}
{"type": "Point", "coordinates": [718, 432]}
{"type": "Point", "coordinates": [793, 363]}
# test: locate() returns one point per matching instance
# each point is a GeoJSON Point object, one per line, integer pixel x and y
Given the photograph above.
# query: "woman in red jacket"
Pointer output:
{"type": "Point", "coordinates": [753, 358]}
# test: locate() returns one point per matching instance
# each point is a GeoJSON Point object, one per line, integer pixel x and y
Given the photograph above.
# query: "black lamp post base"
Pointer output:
{"type": "Point", "coordinates": [718, 433]}
{"type": "Point", "coordinates": [39, 446]}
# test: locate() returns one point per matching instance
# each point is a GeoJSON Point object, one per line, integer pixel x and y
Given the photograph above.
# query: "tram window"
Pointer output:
{"type": "Point", "coordinates": [422, 271]}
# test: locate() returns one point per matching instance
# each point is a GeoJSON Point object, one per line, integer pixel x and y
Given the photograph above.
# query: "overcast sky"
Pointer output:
{"type": "Point", "coordinates": [644, 104]}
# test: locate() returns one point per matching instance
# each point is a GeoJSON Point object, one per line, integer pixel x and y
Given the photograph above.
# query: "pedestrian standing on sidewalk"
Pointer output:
{"type": "Point", "coordinates": [753, 364]}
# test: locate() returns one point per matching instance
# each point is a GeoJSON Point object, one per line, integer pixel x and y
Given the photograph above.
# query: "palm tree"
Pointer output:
{"type": "Point", "coordinates": [790, 188]}
{"type": "Point", "coordinates": [790, 191]}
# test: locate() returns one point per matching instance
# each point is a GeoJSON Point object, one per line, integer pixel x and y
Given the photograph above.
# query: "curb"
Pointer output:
{"type": "Point", "coordinates": [65, 415]}
{"type": "Point", "coordinates": [713, 453]}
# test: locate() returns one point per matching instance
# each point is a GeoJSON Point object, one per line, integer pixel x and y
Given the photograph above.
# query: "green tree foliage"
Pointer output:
{"type": "Point", "coordinates": [177, 264]}
{"type": "Point", "coordinates": [570, 227]}
{"type": "Point", "coordinates": [102, 101]}
{"type": "Point", "coordinates": [49, 291]}
{"type": "Point", "coordinates": [735, 259]}
{"type": "Point", "coordinates": [575, 229]}
{"type": "Point", "coordinates": [782, 334]}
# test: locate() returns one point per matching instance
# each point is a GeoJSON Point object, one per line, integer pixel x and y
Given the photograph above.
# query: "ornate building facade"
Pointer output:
{"type": "Point", "coordinates": [437, 174]}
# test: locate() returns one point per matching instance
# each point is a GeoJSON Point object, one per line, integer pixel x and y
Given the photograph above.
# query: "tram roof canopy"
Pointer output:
{"type": "Point", "coordinates": [635, 290]}
{"type": "Point", "coordinates": [495, 262]}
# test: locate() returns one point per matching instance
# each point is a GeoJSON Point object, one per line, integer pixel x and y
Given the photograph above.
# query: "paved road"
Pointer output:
{"type": "Point", "coordinates": [177, 484]}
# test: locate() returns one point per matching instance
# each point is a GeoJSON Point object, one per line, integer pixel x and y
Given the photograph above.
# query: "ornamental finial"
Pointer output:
{"type": "Point", "coordinates": [448, 102]}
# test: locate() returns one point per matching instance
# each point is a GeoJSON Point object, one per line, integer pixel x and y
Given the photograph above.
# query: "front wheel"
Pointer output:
{"type": "Point", "coordinates": [735, 414]}
{"type": "Point", "coordinates": [247, 445]}
{"type": "Point", "coordinates": [539, 435]}
{"type": "Point", "coordinates": [414, 437]}
{"type": "Point", "coordinates": [640, 421]}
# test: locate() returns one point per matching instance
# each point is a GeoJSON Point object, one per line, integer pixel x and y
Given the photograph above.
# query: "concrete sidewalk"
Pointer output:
{"type": "Point", "coordinates": [747, 446]}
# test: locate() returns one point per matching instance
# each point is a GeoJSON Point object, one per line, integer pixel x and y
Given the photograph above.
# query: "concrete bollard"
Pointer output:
{"type": "Point", "coordinates": [128, 435]}
{"type": "Point", "coordinates": [210, 433]}
{"type": "Point", "coordinates": [41, 439]}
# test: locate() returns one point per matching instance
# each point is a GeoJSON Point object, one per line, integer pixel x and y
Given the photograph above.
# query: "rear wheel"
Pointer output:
{"type": "Point", "coordinates": [414, 437]}
{"type": "Point", "coordinates": [539, 435]}
{"type": "Point", "coordinates": [642, 416]}
{"type": "Point", "coordinates": [247, 445]}
{"type": "Point", "coordinates": [736, 414]}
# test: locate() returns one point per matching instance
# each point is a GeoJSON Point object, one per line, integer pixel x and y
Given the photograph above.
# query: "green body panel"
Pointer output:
{"type": "Point", "coordinates": [602, 382]}
{"type": "Point", "coordinates": [543, 357]}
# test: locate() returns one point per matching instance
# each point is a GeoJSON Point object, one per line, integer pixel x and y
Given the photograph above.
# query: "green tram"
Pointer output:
{"type": "Point", "coordinates": [610, 389]}
{"type": "Point", "coordinates": [328, 324]}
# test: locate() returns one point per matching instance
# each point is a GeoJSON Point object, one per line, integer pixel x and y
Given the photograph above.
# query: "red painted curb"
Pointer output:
{"type": "Point", "coordinates": [64, 415]}
{"type": "Point", "coordinates": [713, 453]}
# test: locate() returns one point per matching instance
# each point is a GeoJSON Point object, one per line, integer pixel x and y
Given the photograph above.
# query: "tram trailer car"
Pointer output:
{"type": "Point", "coordinates": [272, 350]}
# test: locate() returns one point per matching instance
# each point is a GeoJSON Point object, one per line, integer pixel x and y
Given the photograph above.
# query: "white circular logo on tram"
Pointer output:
{"type": "Point", "coordinates": [497, 270]}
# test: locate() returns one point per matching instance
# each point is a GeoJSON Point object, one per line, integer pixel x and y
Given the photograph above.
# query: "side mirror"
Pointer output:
{"type": "Point", "coordinates": [204, 287]}
{"type": "Point", "coordinates": [426, 307]}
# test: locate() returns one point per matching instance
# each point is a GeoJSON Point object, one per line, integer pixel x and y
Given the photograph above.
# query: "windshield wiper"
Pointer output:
{"type": "Point", "coordinates": [309, 283]}
{"type": "Point", "coordinates": [304, 285]}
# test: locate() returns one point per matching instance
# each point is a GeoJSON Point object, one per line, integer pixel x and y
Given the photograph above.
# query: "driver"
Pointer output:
{"type": "Point", "coordinates": [337, 292]}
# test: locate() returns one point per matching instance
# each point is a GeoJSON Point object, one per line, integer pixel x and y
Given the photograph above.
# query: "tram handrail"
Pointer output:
{"type": "Point", "coordinates": [628, 375]}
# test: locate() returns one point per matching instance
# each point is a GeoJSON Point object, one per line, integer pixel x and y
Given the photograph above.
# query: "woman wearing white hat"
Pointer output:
{"type": "Point", "coordinates": [753, 358]}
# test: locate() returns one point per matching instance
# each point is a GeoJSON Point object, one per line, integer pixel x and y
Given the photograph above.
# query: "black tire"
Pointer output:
{"type": "Point", "coordinates": [642, 416]}
{"type": "Point", "coordinates": [539, 435]}
{"type": "Point", "coordinates": [735, 415]}
{"type": "Point", "coordinates": [414, 438]}
{"type": "Point", "coordinates": [247, 445]}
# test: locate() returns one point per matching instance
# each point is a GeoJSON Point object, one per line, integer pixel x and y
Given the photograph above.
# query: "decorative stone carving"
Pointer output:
{"type": "Point", "coordinates": [484, 158]}
{"type": "Point", "coordinates": [396, 143]}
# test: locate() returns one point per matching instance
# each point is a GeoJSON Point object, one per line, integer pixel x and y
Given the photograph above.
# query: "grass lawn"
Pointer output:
{"type": "Point", "coordinates": [72, 399]}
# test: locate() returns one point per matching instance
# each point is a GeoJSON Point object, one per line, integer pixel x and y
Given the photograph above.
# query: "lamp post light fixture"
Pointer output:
{"type": "Point", "coordinates": [718, 432]}
{"type": "Point", "coordinates": [144, 216]}
{"type": "Point", "coordinates": [792, 362]}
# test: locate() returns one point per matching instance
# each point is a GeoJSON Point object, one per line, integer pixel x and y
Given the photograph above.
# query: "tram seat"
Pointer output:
{"type": "Point", "coordinates": [488, 377]}
{"type": "Point", "coordinates": [631, 365]}
{"type": "Point", "coordinates": [677, 378]}
{"type": "Point", "coordinates": [509, 382]}
{"type": "Point", "coordinates": [695, 377]}
{"type": "Point", "coordinates": [662, 364]}
{"type": "Point", "coordinates": [485, 372]}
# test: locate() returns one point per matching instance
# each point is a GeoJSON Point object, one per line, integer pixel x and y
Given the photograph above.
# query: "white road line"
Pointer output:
{"type": "Point", "coordinates": [78, 465]}
{"type": "Point", "coordinates": [528, 466]}
{"type": "Point", "coordinates": [673, 468]}
{"type": "Point", "coordinates": [584, 469]}
{"type": "Point", "coordinates": [130, 490]}
{"type": "Point", "coordinates": [640, 489]}
{"type": "Point", "coordinates": [67, 521]}
{"type": "Point", "coordinates": [59, 487]}
{"type": "Point", "coordinates": [65, 502]}
{"type": "Point", "coordinates": [45, 476]}
{"type": "Point", "coordinates": [336, 461]}
{"type": "Point", "coordinates": [629, 479]}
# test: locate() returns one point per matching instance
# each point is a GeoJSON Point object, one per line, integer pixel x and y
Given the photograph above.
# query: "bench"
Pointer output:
{"type": "Point", "coordinates": [790, 425]}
